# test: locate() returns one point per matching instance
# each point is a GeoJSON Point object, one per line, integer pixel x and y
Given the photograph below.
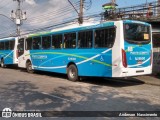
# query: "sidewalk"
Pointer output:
{"type": "Point", "coordinates": [149, 79]}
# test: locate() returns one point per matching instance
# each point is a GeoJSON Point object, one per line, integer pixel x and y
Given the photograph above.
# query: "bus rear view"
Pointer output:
{"type": "Point", "coordinates": [137, 50]}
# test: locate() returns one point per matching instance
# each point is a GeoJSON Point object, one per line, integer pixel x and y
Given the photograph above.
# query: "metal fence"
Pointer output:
{"type": "Point", "coordinates": [144, 12]}
{"type": "Point", "coordinates": [156, 60]}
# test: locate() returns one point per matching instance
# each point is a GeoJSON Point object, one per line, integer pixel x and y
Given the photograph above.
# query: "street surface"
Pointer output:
{"type": "Point", "coordinates": [44, 91]}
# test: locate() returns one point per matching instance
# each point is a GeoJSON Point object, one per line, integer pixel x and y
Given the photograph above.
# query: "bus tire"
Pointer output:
{"type": "Point", "coordinates": [29, 67]}
{"type": "Point", "coordinates": [2, 63]}
{"type": "Point", "coordinates": [72, 73]}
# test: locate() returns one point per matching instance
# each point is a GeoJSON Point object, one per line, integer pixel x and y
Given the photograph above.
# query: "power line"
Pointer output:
{"type": "Point", "coordinates": [51, 14]}
{"type": "Point", "coordinates": [46, 28]}
{"type": "Point", "coordinates": [61, 10]}
{"type": "Point", "coordinates": [6, 17]}
{"type": "Point", "coordinates": [48, 18]}
{"type": "Point", "coordinates": [60, 13]}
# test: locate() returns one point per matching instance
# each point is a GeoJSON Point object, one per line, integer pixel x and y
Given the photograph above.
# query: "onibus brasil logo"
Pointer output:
{"type": "Point", "coordinates": [7, 113]}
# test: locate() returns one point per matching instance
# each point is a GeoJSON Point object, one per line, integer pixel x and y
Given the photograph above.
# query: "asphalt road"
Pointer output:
{"type": "Point", "coordinates": [45, 91]}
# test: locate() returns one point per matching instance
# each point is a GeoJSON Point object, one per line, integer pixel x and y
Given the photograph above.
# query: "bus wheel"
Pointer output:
{"type": "Point", "coordinates": [2, 64]}
{"type": "Point", "coordinates": [72, 73]}
{"type": "Point", "coordinates": [29, 67]}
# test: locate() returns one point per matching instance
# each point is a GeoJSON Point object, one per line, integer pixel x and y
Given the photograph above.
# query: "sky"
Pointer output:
{"type": "Point", "coordinates": [43, 13]}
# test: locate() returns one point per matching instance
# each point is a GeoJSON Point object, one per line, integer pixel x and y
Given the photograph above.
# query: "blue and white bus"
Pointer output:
{"type": "Point", "coordinates": [8, 51]}
{"type": "Point", "coordinates": [109, 49]}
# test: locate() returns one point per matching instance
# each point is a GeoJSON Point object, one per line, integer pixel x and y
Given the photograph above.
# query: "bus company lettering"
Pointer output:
{"type": "Point", "coordinates": [70, 58]}
{"type": "Point", "coordinates": [140, 58]}
{"type": "Point", "coordinates": [39, 56]}
{"type": "Point", "coordinates": [139, 53]}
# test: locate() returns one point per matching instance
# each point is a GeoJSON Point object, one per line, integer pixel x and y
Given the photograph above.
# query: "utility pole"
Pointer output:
{"type": "Point", "coordinates": [81, 12]}
{"type": "Point", "coordinates": [157, 7]}
{"type": "Point", "coordinates": [113, 2]}
{"type": "Point", "coordinates": [18, 16]}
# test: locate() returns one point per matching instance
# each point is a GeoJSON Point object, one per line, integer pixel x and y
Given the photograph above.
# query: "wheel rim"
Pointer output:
{"type": "Point", "coordinates": [29, 67]}
{"type": "Point", "coordinates": [2, 64]}
{"type": "Point", "coordinates": [72, 73]}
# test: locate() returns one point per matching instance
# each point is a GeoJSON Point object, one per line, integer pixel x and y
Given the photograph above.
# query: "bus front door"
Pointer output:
{"type": "Point", "coordinates": [21, 52]}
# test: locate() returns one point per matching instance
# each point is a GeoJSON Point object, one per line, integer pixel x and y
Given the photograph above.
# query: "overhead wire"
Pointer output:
{"type": "Point", "coordinates": [54, 22]}
{"type": "Point", "coordinates": [49, 19]}
{"type": "Point", "coordinates": [51, 16]}
{"type": "Point", "coordinates": [55, 11]}
{"type": "Point", "coordinates": [48, 27]}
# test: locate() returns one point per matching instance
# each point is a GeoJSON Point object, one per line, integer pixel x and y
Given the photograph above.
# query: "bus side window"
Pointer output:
{"type": "Point", "coordinates": [37, 43]}
{"type": "Point", "coordinates": [1, 45]}
{"type": "Point", "coordinates": [11, 44]}
{"type": "Point", "coordinates": [79, 43]}
{"type": "Point", "coordinates": [112, 37]}
{"type": "Point", "coordinates": [56, 41]}
{"type": "Point", "coordinates": [6, 45]}
{"type": "Point", "coordinates": [28, 43]}
{"type": "Point", "coordinates": [85, 39]}
{"type": "Point", "coordinates": [46, 42]}
{"type": "Point", "coordinates": [96, 35]}
{"type": "Point", "coordinates": [70, 40]}
{"type": "Point", "coordinates": [104, 38]}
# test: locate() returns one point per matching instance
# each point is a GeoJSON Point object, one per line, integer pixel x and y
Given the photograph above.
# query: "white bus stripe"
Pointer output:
{"type": "Point", "coordinates": [9, 54]}
{"type": "Point", "coordinates": [51, 67]}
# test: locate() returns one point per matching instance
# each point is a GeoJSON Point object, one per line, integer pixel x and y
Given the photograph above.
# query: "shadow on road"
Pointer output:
{"type": "Point", "coordinates": [113, 82]}
{"type": "Point", "coordinates": [24, 95]}
{"type": "Point", "coordinates": [15, 67]}
{"type": "Point", "coordinates": [157, 76]}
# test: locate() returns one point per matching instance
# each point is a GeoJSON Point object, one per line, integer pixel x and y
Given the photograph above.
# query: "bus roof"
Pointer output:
{"type": "Point", "coordinates": [5, 39]}
{"type": "Point", "coordinates": [86, 26]}
{"type": "Point", "coordinates": [74, 27]}
{"type": "Point", "coordinates": [135, 21]}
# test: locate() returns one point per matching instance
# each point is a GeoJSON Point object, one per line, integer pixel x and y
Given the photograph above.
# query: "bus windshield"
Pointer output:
{"type": "Point", "coordinates": [136, 33]}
